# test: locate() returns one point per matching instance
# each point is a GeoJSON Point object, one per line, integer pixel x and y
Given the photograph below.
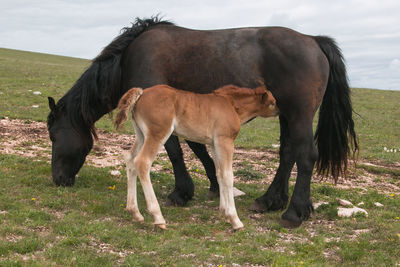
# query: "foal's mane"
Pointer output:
{"type": "Point", "coordinates": [98, 90]}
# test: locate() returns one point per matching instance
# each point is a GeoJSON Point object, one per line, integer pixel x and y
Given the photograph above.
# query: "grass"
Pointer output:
{"type": "Point", "coordinates": [42, 225]}
{"type": "Point", "coordinates": [45, 225]}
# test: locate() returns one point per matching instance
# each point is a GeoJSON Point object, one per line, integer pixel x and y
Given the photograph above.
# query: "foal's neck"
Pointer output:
{"type": "Point", "coordinates": [245, 107]}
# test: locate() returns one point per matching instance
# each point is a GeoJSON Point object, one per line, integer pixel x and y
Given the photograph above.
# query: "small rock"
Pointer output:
{"type": "Point", "coordinates": [275, 145]}
{"type": "Point", "coordinates": [317, 205]}
{"type": "Point", "coordinates": [237, 192]}
{"type": "Point", "coordinates": [35, 106]}
{"type": "Point", "coordinates": [378, 204]}
{"type": "Point", "coordinates": [348, 212]}
{"type": "Point", "coordinates": [344, 202]}
{"type": "Point", "coordinates": [115, 173]}
{"type": "Point", "coordinates": [361, 203]}
{"type": "Point", "coordinates": [37, 93]}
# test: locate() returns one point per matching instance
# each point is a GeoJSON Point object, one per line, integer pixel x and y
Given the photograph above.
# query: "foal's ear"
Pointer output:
{"type": "Point", "coordinates": [52, 104]}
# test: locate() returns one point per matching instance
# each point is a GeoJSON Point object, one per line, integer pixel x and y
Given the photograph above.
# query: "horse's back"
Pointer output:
{"type": "Point", "coordinates": [291, 64]}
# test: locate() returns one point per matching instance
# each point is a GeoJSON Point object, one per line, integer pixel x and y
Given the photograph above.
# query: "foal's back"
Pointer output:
{"type": "Point", "coordinates": [195, 117]}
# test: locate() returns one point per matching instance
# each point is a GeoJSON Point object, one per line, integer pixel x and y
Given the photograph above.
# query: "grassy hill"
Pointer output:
{"type": "Point", "coordinates": [22, 73]}
{"type": "Point", "coordinates": [86, 225]}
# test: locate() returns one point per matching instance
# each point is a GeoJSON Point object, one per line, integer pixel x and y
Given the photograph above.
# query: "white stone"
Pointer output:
{"type": "Point", "coordinates": [378, 204]}
{"type": "Point", "coordinates": [35, 106]}
{"type": "Point", "coordinates": [37, 93]}
{"type": "Point", "coordinates": [237, 192]}
{"type": "Point", "coordinates": [318, 204]}
{"type": "Point", "coordinates": [348, 212]}
{"type": "Point", "coordinates": [344, 202]}
{"type": "Point", "coordinates": [115, 173]}
{"type": "Point", "coordinates": [361, 203]}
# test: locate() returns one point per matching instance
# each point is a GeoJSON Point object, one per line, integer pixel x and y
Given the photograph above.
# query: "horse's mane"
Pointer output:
{"type": "Point", "coordinates": [235, 90]}
{"type": "Point", "coordinates": [98, 90]}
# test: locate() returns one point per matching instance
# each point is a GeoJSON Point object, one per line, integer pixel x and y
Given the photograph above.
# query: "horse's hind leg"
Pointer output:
{"type": "Point", "coordinates": [142, 164]}
{"type": "Point", "coordinates": [306, 154]}
{"type": "Point", "coordinates": [276, 197]}
{"type": "Point", "coordinates": [201, 152]}
{"type": "Point", "coordinates": [184, 187]}
{"type": "Point", "coordinates": [131, 203]}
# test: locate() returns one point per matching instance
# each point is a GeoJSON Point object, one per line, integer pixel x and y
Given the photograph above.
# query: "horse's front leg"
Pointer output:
{"type": "Point", "coordinates": [184, 187]}
{"type": "Point", "coordinates": [223, 153]}
{"type": "Point", "coordinates": [201, 152]}
{"type": "Point", "coordinates": [276, 197]}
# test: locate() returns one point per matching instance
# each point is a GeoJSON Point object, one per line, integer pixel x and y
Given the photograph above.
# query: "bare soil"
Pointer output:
{"type": "Point", "coordinates": [30, 139]}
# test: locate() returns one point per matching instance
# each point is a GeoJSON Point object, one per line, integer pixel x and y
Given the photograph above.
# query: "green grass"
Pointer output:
{"type": "Point", "coordinates": [86, 225]}
{"type": "Point", "coordinates": [41, 224]}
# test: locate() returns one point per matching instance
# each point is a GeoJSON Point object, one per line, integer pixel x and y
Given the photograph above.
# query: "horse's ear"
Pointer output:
{"type": "Point", "coordinates": [52, 104]}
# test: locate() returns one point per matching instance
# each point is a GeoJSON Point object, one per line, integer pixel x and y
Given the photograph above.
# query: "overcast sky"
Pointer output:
{"type": "Point", "coordinates": [368, 31]}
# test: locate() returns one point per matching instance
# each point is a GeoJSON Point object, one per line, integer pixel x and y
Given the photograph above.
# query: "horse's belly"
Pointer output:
{"type": "Point", "coordinates": [193, 134]}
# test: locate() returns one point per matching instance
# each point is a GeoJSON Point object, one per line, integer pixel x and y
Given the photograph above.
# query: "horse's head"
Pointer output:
{"type": "Point", "coordinates": [69, 145]}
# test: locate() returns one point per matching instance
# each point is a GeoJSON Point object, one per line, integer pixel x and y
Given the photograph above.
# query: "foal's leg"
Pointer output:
{"type": "Point", "coordinates": [184, 187]}
{"type": "Point", "coordinates": [131, 203]}
{"type": "Point", "coordinates": [276, 197]}
{"type": "Point", "coordinates": [142, 164]}
{"type": "Point", "coordinates": [223, 150]}
{"type": "Point", "coordinates": [201, 152]}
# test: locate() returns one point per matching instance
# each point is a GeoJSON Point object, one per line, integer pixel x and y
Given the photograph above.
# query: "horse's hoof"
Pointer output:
{"type": "Point", "coordinates": [174, 199]}
{"type": "Point", "coordinates": [138, 218]}
{"type": "Point", "coordinates": [162, 226]}
{"type": "Point", "coordinates": [290, 224]}
{"type": "Point", "coordinates": [212, 195]}
{"type": "Point", "coordinates": [258, 207]}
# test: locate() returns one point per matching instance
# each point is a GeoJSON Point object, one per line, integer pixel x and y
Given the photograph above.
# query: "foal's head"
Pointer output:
{"type": "Point", "coordinates": [267, 106]}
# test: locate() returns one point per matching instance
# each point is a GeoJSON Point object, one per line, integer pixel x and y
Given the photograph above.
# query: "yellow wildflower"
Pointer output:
{"type": "Point", "coordinates": [33, 199]}
{"type": "Point", "coordinates": [112, 187]}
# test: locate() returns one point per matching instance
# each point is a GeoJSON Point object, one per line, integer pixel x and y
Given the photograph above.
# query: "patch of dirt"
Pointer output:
{"type": "Point", "coordinates": [30, 139]}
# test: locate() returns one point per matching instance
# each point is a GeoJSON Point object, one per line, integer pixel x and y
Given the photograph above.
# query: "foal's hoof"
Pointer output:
{"type": "Point", "coordinates": [138, 218]}
{"type": "Point", "coordinates": [162, 226]}
{"type": "Point", "coordinates": [290, 224]}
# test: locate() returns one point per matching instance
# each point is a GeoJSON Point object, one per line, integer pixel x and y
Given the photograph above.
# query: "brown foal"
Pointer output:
{"type": "Point", "coordinates": [213, 119]}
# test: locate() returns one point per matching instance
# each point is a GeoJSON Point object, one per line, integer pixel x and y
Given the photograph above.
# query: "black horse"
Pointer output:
{"type": "Point", "coordinates": [301, 71]}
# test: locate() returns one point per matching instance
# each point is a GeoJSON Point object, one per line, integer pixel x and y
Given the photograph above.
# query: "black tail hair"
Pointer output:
{"type": "Point", "coordinates": [335, 137]}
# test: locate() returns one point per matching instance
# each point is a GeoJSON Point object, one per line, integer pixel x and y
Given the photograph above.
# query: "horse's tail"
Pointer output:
{"type": "Point", "coordinates": [335, 136]}
{"type": "Point", "coordinates": [126, 105]}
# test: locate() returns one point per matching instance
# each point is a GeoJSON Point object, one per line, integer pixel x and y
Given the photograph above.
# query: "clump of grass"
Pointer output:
{"type": "Point", "coordinates": [247, 173]}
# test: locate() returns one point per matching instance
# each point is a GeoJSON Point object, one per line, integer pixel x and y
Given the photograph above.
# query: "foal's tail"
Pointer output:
{"type": "Point", "coordinates": [126, 104]}
{"type": "Point", "coordinates": [335, 136]}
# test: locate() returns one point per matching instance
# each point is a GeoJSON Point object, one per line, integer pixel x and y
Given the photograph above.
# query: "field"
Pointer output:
{"type": "Point", "coordinates": [86, 225]}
